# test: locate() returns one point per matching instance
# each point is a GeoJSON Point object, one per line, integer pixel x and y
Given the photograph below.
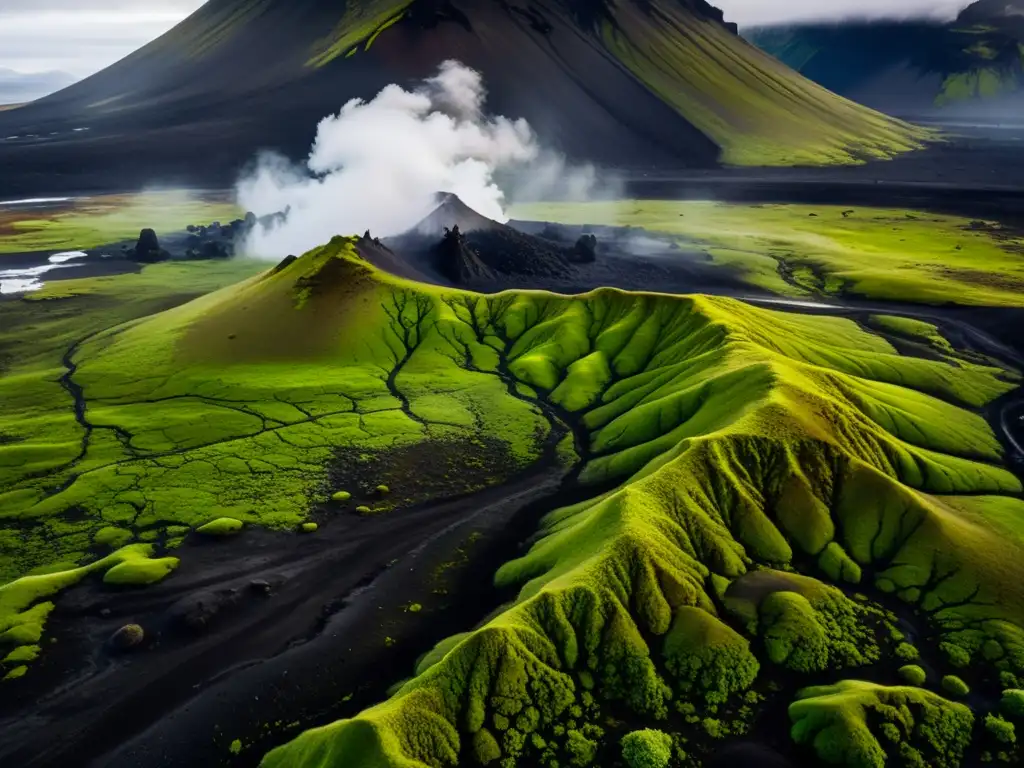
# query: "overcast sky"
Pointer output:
{"type": "Point", "coordinates": [82, 36]}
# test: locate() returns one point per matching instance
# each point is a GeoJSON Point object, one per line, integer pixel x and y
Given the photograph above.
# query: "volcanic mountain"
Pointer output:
{"type": "Point", "coordinates": [629, 83]}
{"type": "Point", "coordinates": [973, 66]}
{"type": "Point", "coordinates": [456, 245]}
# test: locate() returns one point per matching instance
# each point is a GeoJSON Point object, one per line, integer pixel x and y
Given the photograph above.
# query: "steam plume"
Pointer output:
{"type": "Point", "coordinates": [377, 165]}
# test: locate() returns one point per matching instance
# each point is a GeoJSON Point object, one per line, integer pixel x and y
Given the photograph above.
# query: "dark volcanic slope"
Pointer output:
{"type": "Point", "coordinates": [631, 83]}
{"type": "Point", "coordinates": [973, 66]}
{"type": "Point", "coordinates": [456, 245]}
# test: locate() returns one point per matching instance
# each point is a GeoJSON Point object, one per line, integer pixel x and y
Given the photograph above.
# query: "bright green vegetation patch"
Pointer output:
{"type": "Point", "coordinates": [802, 250]}
{"type": "Point", "coordinates": [1012, 703]}
{"type": "Point", "coordinates": [647, 749]}
{"type": "Point", "coordinates": [761, 458]}
{"type": "Point", "coordinates": [232, 406]}
{"type": "Point", "coordinates": [914, 329]}
{"type": "Point", "coordinates": [913, 675]}
{"type": "Point", "coordinates": [858, 724]}
{"type": "Point", "coordinates": [954, 686]}
{"type": "Point", "coordinates": [758, 110]}
{"type": "Point", "coordinates": [361, 23]}
{"type": "Point", "coordinates": [222, 526]}
{"type": "Point", "coordinates": [94, 221]}
{"type": "Point", "coordinates": [978, 83]}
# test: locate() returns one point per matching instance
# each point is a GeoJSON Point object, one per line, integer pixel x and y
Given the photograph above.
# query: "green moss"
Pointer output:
{"type": "Point", "coordinates": [1012, 703]}
{"type": "Point", "coordinates": [837, 721]}
{"type": "Point", "coordinates": [383, 490]}
{"type": "Point", "coordinates": [907, 652]}
{"type": "Point", "coordinates": [112, 537]}
{"type": "Point", "coordinates": [486, 749]}
{"type": "Point", "coordinates": [878, 253]}
{"type": "Point", "coordinates": [25, 604]}
{"type": "Point", "coordinates": [913, 674]}
{"type": "Point", "coordinates": [954, 686]}
{"type": "Point", "coordinates": [309, 527]}
{"type": "Point", "coordinates": [236, 747]}
{"type": "Point", "coordinates": [914, 329]}
{"type": "Point", "coordinates": [738, 444]}
{"type": "Point", "coordinates": [758, 110]}
{"type": "Point", "coordinates": [1001, 729]}
{"type": "Point", "coordinates": [838, 565]}
{"type": "Point", "coordinates": [222, 526]}
{"type": "Point", "coordinates": [793, 636]}
{"type": "Point", "coordinates": [90, 222]}
{"type": "Point", "coordinates": [139, 571]}
{"type": "Point", "coordinates": [582, 750]}
{"type": "Point", "coordinates": [341, 496]}
{"type": "Point", "coordinates": [15, 673]}
{"type": "Point", "coordinates": [647, 749]}
{"type": "Point", "coordinates": [22, 655]}
{"type": "Point", "coordinates": [706, 657]}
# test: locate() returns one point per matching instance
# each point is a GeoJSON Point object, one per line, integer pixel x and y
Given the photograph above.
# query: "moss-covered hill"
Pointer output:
{"type": "Point", "coordinates": [974, 65]}
{"type": "Point", "coordinates": [794, 504]}
{"type": "Point", "coordinates": [625, 82]}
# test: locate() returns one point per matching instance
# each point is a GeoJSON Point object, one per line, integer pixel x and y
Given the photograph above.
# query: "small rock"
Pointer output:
{"type": "Point", "coordinates": [127, 637]}
{"type": "Point", "coordinates": [104, 612]}
{"type": "Point", "coordinates": [260, 585]}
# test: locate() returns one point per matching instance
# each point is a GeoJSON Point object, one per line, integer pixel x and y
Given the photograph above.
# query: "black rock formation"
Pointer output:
{"type": "Point", "coordinates": [148, 250]}
{"type": "Point", "coordinates": [585, 250]}
{"type": "Point", "coordinates": [457, 261]}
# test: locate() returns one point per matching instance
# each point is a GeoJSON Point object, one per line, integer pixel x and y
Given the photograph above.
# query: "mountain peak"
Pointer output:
{"type": "Point", "coordinates": [451, 212]}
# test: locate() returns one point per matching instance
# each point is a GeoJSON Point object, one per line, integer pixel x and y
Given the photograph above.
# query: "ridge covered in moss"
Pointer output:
{"type": "Point", "coordinates": [761, 469]}
{"type": "Point", "coordinates": [783, 486]}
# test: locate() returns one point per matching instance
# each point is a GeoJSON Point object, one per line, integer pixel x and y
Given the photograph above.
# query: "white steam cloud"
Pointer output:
{"type": "Point", "coordinates": [377, 165]}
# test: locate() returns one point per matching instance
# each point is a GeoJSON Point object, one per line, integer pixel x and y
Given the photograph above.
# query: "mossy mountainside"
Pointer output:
{"type": "Point", "coordinates": [645, 80]}
{"type": "Point", "coordinates": [828, 250]}
{"type": "Point", "coordinates": [750, 444]}
{"type": "Point", "coordinates": [913, 67]}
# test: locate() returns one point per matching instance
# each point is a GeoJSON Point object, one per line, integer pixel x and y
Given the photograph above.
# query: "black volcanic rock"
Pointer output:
{"type": "Point", "coordinates": [147, 249]}
{"type": "Point", "coordinates": [458, 262]}
{"type": "Point", "coordinates": [585, 250]}
{"type": "Point", "coordinates": [456, 243]}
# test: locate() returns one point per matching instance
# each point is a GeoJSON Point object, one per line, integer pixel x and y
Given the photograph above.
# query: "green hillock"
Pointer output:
{"type": "Point", "coordinates": [860, 724]}
{"type": "Point", "coordinates": [742, 453]}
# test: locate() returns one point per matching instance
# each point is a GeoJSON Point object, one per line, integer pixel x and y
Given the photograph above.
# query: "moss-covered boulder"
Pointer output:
{"type": "Point", "coordinates": [648, 748]}
{"type": "Point", "coordinates": [954, 686]}
{"type": "Point", "coordinates": [858, 724]}
{"type": "Point", "coordinates": [912, 674]}
{"type": "Point", "coordinates": [127, 637]}
{"type": "Point", "coordinates": [222, 526]}
{"type": "Point", "coordinates": [1012, 703]}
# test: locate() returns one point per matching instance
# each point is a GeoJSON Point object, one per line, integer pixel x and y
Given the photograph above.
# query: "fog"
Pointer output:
{"type": "Point", "coordinates": [749, 13]}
